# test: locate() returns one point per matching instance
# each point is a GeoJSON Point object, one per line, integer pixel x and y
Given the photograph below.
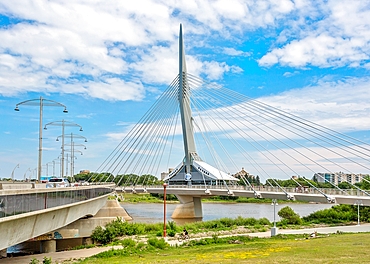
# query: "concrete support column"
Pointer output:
{"type": "Point", "coordinates": [48, 246]}
{"type": "Point", "coordinates": [3, 253]}
{"type": "Point", "coordinates": [87, 241]}
{"type": "Point", "coordinates": [189, 207]}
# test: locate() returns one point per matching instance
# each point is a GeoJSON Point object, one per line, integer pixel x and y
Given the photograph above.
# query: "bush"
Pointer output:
{"type": "Point", "coordinates": [34, 261]}
{"type": "Point", "coordinates": [128, 242]}
{"type": "Point", "coordinates": [157, 243]}
{"type": "Point", "coordinates": [339, 214]}
{"type": "Point", "coordinates": [46, 260]}
{"type": "Point", "coordinates": [290, 216]}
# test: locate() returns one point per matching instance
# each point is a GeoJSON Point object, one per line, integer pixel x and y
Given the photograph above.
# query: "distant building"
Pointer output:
{"type": "Point", "coordinates": [242, 173]}
{"type": "Point", "coordinates": [165, 174]}
{"type": "Point", "coordinates": [338, 177]}
{"type": "Point", "coordinates": [84, 171]}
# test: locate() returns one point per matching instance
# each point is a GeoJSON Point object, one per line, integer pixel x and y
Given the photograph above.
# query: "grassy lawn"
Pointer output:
{"type": "Point", "coordinates": [338, 248]}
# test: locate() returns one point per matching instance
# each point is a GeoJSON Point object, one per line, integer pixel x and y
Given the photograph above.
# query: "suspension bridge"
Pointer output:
{"type": "Point", "coordinates": [206, 133]}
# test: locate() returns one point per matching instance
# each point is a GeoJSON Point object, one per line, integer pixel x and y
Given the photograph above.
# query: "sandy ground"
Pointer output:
{"type": "Point", "coordinates": [73, 255]}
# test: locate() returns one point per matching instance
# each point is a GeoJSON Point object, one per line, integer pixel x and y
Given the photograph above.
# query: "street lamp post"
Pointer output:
{"type": "Point", "coordinates": [63, 124]}
{"type": "Point", "coordinates": [73, 150]}
{"type": "Point", "coordinates": [41, 103]}
{"type": "Point", "coordinates": [25, 174]}
{"type": "Point", "coordinates": [72, 136]}
{"type": "Point", "coordinates": [274, 229]}
{"type": "Point", "coordinates": [358, 203]}
{"type": "Point", "coordinates": [17, 166]}
{"type": "Point", "coordinates": [72, 163]}
{"type": "Point", "coordinates": [54, 167]}
{"type": "Point", "coordinates": [164, 210]}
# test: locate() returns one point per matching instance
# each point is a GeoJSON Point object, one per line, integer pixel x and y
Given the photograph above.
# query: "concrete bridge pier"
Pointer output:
{"type": "Point", "coordinates": [48, 246]}
{"type": "Point", "coordinates": [189, 207]}
{"type": "Point", "coordinates": [3, 253]}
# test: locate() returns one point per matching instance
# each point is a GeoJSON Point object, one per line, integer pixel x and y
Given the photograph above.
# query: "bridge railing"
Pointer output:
{"type": "Point", "coordinates": [292, 190]}
{"type": "Point", "coordinates": [25, 201]}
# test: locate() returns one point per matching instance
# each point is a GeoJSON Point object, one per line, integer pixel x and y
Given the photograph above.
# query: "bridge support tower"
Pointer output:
{"type": "Point", "coordinates": [190, 207]}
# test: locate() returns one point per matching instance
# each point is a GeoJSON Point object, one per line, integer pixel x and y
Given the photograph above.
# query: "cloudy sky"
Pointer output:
{"type": "Point", "coordinates": [107, 61]}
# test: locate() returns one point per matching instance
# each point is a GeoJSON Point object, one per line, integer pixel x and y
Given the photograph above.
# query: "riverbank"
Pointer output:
{"type": "Point", "coordinates": [74, 256]}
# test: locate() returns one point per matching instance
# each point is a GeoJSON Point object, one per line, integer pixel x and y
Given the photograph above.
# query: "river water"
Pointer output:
{"type": "Point", "coordinates": [153, 212]}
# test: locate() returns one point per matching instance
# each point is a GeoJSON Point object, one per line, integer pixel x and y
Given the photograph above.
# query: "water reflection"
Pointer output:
{"type": "Point", "coordinates": [153, 213]}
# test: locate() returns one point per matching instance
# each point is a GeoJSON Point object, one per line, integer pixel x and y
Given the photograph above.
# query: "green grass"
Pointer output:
{"type": "Point", "coordinates": [338, 248]}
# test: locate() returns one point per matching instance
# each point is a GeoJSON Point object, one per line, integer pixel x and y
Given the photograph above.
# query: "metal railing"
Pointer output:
{"type": "Point", "coordinates": [20, 203]}
{"type": "Point", "coordinates": [306, 190]}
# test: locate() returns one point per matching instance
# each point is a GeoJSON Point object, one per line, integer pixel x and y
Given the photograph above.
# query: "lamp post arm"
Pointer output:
{"type": "Point", "coordinates": [48, 103]}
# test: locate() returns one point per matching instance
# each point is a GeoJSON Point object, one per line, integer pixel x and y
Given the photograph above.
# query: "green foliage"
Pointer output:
{"type": "Point", "coordinates": [158, 243]}
{"type": "Point", "coordinates": [172, 228]}
{"type": "Point", "coordinates": [345, 185]}
{"type": "Point", "coordinates": [34, 261]}
{"type": "Point", "coordinates": [128, 242]}
{"type": "Point", "coordinates": [245, 179]}
{"type": "Point", "coordinates": [290, 216]}
{"type": "Point", "coordinates": [339, 214]}
{"type": "Point", "coordinates": [365, 183]}
{"type": "Point", "coordinates": [169, 197]}
{"type": "Point", "coordinates": [47, 260]}
{"type": "Point", "coordinates": [133, 179]}
{"type": "Point", "coordinates": [119, 227]}
{"type": "Point", "coordinates": [291, 183]}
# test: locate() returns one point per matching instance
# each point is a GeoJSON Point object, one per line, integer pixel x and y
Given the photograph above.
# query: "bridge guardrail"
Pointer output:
{"type": "Point", "coordinates": [292, 190]}
{"type": "Point", "coordinates": [19, 203]}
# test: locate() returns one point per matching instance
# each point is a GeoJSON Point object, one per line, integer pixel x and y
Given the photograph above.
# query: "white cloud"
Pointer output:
{"type": "Point", "coordinates": [340, 39]}
{"type": "Point", "coordinates": [234, 52]}
{"type": "Point", "coordinates": [138, 40]}
{"type": "Point", "coordinates": [340, 105]}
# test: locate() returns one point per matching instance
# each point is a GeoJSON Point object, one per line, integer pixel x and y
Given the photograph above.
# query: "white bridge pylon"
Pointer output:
{"type": "Point", "coordinates": [192, 170]}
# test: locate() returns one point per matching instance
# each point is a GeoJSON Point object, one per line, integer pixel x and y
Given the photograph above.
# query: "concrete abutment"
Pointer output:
{"type": "Point", "coordinates": [189, 207]}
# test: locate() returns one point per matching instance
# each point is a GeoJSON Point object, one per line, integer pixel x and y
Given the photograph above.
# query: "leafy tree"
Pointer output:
{"type": "Point", "coordinates": [364, 184]}
{"type": "Point", "coordinates": [345, 185]}
{"type": "Point", "coordinates": [290, 216]}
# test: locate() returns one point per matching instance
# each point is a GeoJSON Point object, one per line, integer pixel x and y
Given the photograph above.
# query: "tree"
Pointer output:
{"type": "Point", "coordinates": [345, 185]}
{"type": "Point", "coordinates": [290, 216]}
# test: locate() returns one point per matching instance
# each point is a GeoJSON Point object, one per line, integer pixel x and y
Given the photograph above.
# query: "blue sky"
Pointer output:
{"type": "Point", "coordinates": [107, 61]}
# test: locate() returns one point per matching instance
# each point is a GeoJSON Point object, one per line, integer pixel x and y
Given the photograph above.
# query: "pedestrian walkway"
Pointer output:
{"type": "Point", "coordinates": [58, 257]}
{"type": "Point", "coordinates": [72, 255]}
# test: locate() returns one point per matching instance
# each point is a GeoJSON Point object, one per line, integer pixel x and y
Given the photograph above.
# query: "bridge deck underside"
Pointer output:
{"type": "Point", "coordinates": [22, 227]}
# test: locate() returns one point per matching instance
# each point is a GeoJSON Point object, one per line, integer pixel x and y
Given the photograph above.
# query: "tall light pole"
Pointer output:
{"type": "Point", "coordinates": [358, 203]}
{"type": "Point", "coordinates": [54, 167]}
{"type": "Point", "coordinates": [72, 159]}
{"type": "Point", "coordinates": [25, 174]}
{"type": "Point", "coordinates": [41, 102]}
{"type": "Point", "coordinates": [274, 230]}
{"type": "Point", "coordinates": [63, 124]}
{"type": "Point", "coordinates": [72, 136]}
{"type": "Point", "coordinates": [73, 150]}
{"type": "Point", "coordinates": [164, 209]}
{"type": "Point", "coordinates": [17, 166]}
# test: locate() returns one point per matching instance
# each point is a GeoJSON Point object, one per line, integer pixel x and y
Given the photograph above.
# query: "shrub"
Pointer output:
{"type": "Point", "coordinates": [34, 261]}
{"type": "Point", "coordinates": [128, 242]}
{"type": "Point", "coordinates": [288, 214]}
{"type": "Point", "coordinates": [46, 260]}
{"type": "Point", "coordinates": [157, 243]}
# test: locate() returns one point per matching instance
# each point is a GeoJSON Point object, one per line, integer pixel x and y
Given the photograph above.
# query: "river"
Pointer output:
{"type": "Point", "coordinates": [153, 212]}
